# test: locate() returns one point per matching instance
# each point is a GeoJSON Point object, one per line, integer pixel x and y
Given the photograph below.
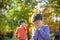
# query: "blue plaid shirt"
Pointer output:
{"type": "Point", "coordinates": [41, 33]}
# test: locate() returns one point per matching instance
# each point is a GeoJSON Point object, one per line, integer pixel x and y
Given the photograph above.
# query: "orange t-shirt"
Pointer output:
{"type": "Point", "coordinates": [21, 32]}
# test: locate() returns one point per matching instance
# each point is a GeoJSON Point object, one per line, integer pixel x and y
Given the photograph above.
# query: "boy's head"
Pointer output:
{"type": "Point", "coordinates": [37, 19]}
{"type": "Point", "coordinates": [21, 22]}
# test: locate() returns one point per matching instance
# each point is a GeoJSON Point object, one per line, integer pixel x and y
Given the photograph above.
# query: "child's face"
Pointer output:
{"type": "Point", "coordinates": [37, 23]}
{"type": "Point", "coordinates": [23, 24]}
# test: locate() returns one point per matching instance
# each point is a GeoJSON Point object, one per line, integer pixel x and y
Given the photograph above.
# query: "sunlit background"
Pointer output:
{"type": "Point", "coordinates": [13, 10]}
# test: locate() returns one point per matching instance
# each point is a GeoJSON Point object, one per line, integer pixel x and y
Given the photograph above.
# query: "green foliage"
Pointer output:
{"type": "Point", "coordinates": [22, 10]}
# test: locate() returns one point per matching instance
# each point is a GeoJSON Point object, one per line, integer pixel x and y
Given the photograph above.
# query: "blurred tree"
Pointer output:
{"type": "Point", "coordinates": [51, 11]}
{"type": "Point", "coordinates": [22, 9]}
{"type": "Point", "coordinates": [15, 10]}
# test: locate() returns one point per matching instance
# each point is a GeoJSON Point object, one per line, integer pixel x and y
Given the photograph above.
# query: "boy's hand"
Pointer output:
{"type": "Point", "coordinates": [17, 37]}
{"type": "Point", "coordinates": [26, 25]}
{"type": "Point", "coordinates": [37, 26]}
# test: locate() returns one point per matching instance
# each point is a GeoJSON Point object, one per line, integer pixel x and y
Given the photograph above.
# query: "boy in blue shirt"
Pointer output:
{"type": "Point", "coordinates": [40, 31]}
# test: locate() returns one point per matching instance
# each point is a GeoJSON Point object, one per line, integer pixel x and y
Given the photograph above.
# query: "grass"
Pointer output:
{"type": "Point", "coordinates": [10, 39]}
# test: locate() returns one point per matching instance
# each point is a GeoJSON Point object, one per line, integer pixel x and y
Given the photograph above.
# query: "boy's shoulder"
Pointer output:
{"type": "Point", "coordinates": [33, 29]}
{"type": "Point", "coordinates": [18, 27]}
{"type": "Point", "coordinates": [45, 26]}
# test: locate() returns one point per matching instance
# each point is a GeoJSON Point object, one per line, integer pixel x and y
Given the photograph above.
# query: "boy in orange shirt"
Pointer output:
{"type": "Point", "coordinates": [21, 30]}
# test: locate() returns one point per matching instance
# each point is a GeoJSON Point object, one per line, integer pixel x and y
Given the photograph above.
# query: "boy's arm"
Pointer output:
{"type": "Point", "coordinates": [34, 35]}
{"type": "Point", "coordinates": [26, 27]}
{"type": "Point", "coordinates": [45, 33]}
{"type": "Point", "coordinates": [16, 32]}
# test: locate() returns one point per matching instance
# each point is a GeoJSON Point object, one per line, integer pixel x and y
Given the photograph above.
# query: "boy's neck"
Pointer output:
{"type": "Point", "coordinates": [20, 26]}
